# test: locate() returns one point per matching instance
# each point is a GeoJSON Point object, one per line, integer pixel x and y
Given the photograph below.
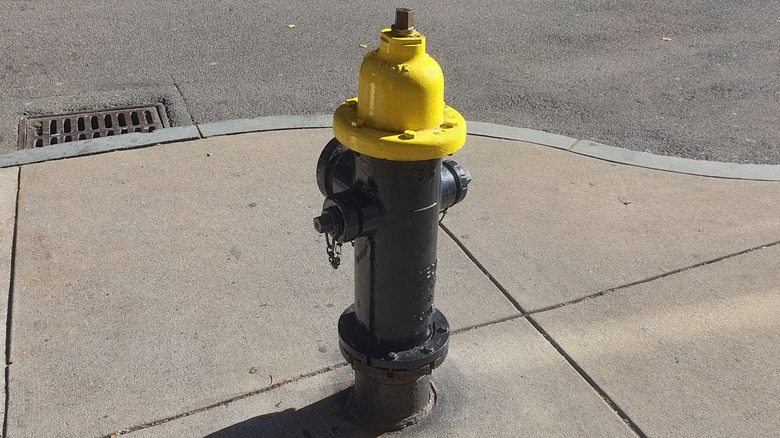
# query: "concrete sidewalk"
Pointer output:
{"type": "Point", "coordinates": [180, 290]}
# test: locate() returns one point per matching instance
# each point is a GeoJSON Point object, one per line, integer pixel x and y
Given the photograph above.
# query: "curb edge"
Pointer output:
{"type": "Point", "coordinates": [716, 169]}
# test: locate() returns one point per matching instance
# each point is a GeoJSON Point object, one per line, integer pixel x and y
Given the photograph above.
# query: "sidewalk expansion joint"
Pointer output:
{"type": "Point", "coordinates": [186, 108]}
{"type": "Point", "coordinates": [9, 309]}
{"type": "Point", "coordinates": [528, 316]}
{"type": "Point", "coordinates": [595, 386]}
{"type": "Point", "coordinates": [224, 403]}
{"type": "Point", "coordinates": [523, 314]}
{"type": "Point", "coordinates": [482, 268]}
{"type": "Point", "coordinates": [273, 386]}
{"type": "Point", "coordinates": [653, 278]}
{"type": "Point", "coordinates": [487, 324]}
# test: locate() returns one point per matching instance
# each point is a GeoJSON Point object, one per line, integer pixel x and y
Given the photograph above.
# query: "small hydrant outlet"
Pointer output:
{"type": "Point", "coordinates": [387, 183]}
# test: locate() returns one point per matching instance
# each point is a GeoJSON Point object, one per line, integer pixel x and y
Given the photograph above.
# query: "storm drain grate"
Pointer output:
{"type": "Point", "coordinates": [39, 131]}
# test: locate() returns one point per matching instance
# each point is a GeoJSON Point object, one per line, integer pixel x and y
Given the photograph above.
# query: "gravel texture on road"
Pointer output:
{"type": "Point", "coordinates": [697, 79]}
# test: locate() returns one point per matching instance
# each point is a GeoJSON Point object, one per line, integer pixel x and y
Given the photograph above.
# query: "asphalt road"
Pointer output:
{"type": "Point", "coordinates": [695, 78]}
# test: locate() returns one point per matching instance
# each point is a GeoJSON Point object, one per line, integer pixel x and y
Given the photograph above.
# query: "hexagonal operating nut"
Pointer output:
{"type": "Point", "coordinates": [404, 22]}
{"type": "Point", "coordinates": [404, 19]}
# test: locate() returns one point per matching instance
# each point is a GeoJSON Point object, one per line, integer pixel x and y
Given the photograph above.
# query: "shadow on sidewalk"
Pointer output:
{"type": "Point", "coordinates": [325, 418]}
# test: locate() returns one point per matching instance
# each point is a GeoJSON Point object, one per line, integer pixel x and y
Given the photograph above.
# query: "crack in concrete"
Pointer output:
{"type": "Point", "coordinates": [186, 108]}
{"type": "Point", "coordinates": [9, 309]}
{"type": "Point", "coordinates": [487, 324]}
{"type": "Point", "coordinates": [595, 386]}
{"type": "Point", "coordinates": [528, 316]}
{"type": "Point", "coordinates": [577, 368]}
{"type": "Point", "coordinates": [653, 278]}
{"type": "Point", "coordinates": [522, 314]}
{"type": "Point", "coordinates": [484, 270]}
{"type": "Point", "coordinates": [225, 402]}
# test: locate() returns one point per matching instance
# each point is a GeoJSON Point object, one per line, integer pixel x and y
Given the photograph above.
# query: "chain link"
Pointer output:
{"type": "Point", "coordinates": [442, 214]}
{"type": "Point", "coordinates": [333, 249]}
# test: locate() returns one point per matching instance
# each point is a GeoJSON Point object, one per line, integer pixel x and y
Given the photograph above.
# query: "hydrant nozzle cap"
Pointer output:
{"type": "Point", "coordinates": [324, 223]}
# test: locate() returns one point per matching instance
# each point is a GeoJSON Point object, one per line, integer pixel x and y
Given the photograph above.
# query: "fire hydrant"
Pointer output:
{"type": "Point", "coordinates": [386, 184]}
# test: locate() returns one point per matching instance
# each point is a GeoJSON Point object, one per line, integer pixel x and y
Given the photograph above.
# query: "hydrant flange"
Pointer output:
{"type": "Point", "coordinates": [356, 346]}
{"type": "Point", "coordinates": [407, 145]}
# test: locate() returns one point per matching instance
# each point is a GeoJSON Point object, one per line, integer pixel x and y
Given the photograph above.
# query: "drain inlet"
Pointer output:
{"type": "Point", "coordinates": [49, 130]}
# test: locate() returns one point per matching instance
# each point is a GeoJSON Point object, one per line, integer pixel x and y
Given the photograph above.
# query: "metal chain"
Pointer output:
{"type": "Point", "coordinates": [333, 249]}
{"type": "Point", "coordinates": [443, 213]}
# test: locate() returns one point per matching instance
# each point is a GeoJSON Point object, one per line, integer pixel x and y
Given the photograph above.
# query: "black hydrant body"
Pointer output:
{"type": "Point", "coordinates": [387, 185]}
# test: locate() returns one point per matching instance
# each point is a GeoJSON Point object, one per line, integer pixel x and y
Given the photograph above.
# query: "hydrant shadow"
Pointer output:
{"type": "Point", "coordinates": [328, 417]}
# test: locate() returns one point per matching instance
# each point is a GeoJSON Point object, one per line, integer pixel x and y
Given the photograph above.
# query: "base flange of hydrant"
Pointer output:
{"type": "Point", "coordinates": [379, 405]}
{"type": "Point", "coordinates": [387, 185]}
{"type": "Point", "coordinates": [395, 390]}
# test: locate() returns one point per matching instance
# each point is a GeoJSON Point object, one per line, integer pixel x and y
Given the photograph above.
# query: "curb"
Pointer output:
{"type": "Point", "coordinates": [260, 124]}
{"type": "Point", "coordinates": [94, 146]}
{"type": "Point", "coordinates": [716, 169]}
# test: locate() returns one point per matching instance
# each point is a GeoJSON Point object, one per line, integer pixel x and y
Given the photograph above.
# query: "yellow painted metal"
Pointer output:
{"type": "Point", "coordinates": [399, 113]}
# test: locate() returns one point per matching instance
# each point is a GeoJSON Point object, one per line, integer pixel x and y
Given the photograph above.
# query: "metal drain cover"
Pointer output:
{"type": "Point", "coordinates": [39, 131]}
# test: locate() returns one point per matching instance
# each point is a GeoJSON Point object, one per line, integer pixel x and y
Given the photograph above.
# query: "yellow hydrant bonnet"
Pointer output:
{"type": "Point", "coordinates": [399, 113]}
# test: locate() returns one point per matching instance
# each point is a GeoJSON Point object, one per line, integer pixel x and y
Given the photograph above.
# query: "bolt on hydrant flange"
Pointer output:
{"type": "Point", "coordinates": [386, 185]}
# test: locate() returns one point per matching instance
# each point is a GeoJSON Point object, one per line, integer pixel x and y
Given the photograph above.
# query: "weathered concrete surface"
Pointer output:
{"type": "Point", "coordinates": [153, 282]}
{"type": "Point", "coordinates": [552, 226]}
{"type": "Point", "coordinates": [693, 354]}
{"type": "Point", "coordinates": [9, 183]}
{"type": "Point", "coordinates": [503, 380]}
{"type": "Point", "coordinates": [159, 282]}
